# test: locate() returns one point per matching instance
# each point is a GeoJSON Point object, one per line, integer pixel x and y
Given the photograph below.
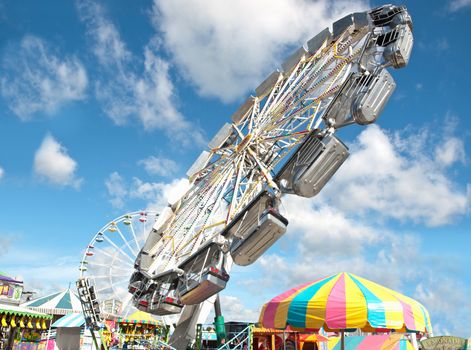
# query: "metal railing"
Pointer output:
{"type": "Point", "coordinates": [241, 341]}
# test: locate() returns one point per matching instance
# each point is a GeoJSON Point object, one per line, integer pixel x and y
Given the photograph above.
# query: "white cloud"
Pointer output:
{"type": "Point", "coordinates": [450, 152]}
{"type": "Point", "coordinates": [36, 79]}
{"type": "Point", "coordinates": [456, 5]}
{"type": "Point", "coordinates": [159, 166]}
{"type": "Point", "coordinates": [2, 172]}
{"type": "Point", "coordinates": [34, 267]}
{"type": "Point", "coordinates": [225, 50]}
{"type": "Point", "coordinates": [155, 195]}
{"type": "Point", "coordinates": [234, 309]}
{"type": "Point", "coordinates": [116, 190]}
{"type": "Point", "coordinates": [158, 194]}
{"type": "Point", "coordinates": [53, 164]}
{"type": "Point", "coordinates": [342, 230]}
{"type": "Point", "coordinates": [128, 93]}
{"type": "Point", "coordinates": [448, 300]}
{"type": "Point", "coordinates": [320, 228]}
{"type": "Point", "coordinates": [393, 252]}
{"type": "Point", "coordinates": [107, 44]}
{"type": "Point", "coordinates": [345, 228]}
{"type": "Point", "coordinates": [398, 177]}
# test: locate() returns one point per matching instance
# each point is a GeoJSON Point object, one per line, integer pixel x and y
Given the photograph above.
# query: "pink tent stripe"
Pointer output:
{"type": "Point", "coordinates": [372, 342]}
{"type": "Point", "coordinates": [336, 308]}
{"type": "Point", "coordinates": [408, 315]}
{"type": "Point", "coordinates": [272, 305]}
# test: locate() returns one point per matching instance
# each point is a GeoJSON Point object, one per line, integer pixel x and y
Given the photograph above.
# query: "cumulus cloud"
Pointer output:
{"type": "Point", "coordinates": [36, 79]}
{"type": "Point", "coordinates": [117, 190]}
{"type": "Point", "coordinates": [158, 194]}
{"type": "Point", "coordinates": [53, 164]}
{"type": "Point", "coordinates": [397, 176]}
{"type": "Point", "coordinates": [456, 5]}
{"type": "Point", "coordinates": [450, 152]}
{"type": "Point", "coordinates": [452, 311]}
{"type": "Point", "coordinates": [127, 92]}
{"type": "Point", "coordinates": [34, 266]}
{"type": "Point", "coordinates": [2, 172]}
{"type": "Point", "coordinates": [236, 310]}
{"type": "Point", "coordinates": [394, 178]}
{"type": "Point", "coordinates": [321, 228]}
{"type": "Point", "coordinates": [395, 253]}
{"type": "Point", "coordinates": [159, 166]}
{"type": "Point", "coordinates": [226, 50]}
{"type": "Point", "coordinates": [155, 195]}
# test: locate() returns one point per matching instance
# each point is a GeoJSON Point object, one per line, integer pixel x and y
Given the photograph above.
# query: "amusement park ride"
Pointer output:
{"type": "Point", "coordinates": [280, 141]}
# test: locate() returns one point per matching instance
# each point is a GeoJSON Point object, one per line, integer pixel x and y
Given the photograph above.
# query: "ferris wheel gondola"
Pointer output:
{"type": "Point", "coordinates": [108, 260]}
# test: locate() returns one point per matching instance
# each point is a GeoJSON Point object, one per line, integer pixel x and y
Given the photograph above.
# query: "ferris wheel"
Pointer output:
{"type": "Point", "coordinates": [281, 140]}
{"type": "Point", "coordinates": [108, 260]}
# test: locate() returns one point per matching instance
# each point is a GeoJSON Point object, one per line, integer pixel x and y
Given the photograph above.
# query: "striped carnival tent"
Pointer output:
{"type": "Point", "coordinates": [345, 301]}
{"type": "Point", "coordinates": [72, 320]}
{"type": "Point", "coordinates": [69, 331]}
{"type": "Point", "coordinates": [377, 342]}
{"type": "Point", "coordinates": [60, 303]}
{"type": "Point", "coordinates": [139, 317]}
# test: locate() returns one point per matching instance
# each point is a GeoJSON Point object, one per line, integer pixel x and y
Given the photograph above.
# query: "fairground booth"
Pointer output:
{"type": "Point", "coordinates": [57, 305]}
{"type": "Point", "coordinates": [19, 326]}
{"type": "Point", "coordinates": [139, 328]}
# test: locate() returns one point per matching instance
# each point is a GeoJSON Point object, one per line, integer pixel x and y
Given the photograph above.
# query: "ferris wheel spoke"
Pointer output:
{"type": "Point", "coordinates": [126, 242]}
{"type": "Point", "coordinates": [92, 264]}
{"type": "Point", "coordinates": [113, 275]}
{"type": "Point", "coordinates": [133, 232]}
{"type": "Point", "coordinates": [119, 249]}
{"type": "Point", "coordinates": [108, 288]}
{"type": "Point", "coordinates": [126, 301]}
{"type": "Point", "coordinates": [115, 257]}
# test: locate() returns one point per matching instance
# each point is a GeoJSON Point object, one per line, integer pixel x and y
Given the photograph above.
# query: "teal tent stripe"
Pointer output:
{"type": "Point", "coordinates": [298, 306]}
{"type": "Point", "coordinates": [376, 311]}
{"type": "Point", "coordinates": [70, 320]}
{"type": "Point", "coordinates": [428, 326]}
{"type": "Point", "coordinates": [353, 342]}
{"type": "Point", "coordinates": [403, 344]}
{"type": "Point", "coordinates": [65, 302]}
{"type": "Point", "coordinates": [337, 346]}
{"type": "Point", "coordinates": [39, 302]}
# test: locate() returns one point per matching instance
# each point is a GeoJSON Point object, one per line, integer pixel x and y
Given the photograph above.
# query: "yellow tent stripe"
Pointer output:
{"type": "Point", "coordinates": [315, 311]}
{"type": "Point", "coordinates": [416, 310]}
{"type": "Point", "coordinates": [357, 310]}
{"type": "Point", "coordinates": [393, 308]}
{"type": "Point", "coordinates": [282, 311]}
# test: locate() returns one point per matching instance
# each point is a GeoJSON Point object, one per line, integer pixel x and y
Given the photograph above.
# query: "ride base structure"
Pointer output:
{"type": "Point", "coordinates": [282, 140]}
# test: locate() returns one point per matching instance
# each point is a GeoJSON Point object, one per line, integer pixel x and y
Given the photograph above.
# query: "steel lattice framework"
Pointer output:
{"type": "Point", "coordinates": [281, 140]}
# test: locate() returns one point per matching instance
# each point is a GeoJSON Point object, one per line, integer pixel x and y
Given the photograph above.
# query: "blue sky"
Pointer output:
{"type": "Point", "coordinates": [104, 106]}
